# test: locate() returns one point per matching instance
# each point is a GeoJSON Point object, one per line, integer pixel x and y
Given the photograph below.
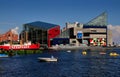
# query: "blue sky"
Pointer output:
{"type": "Point", "coordinates": [17, 12]}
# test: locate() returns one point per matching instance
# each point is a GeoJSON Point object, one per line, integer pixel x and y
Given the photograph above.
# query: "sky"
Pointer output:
{"type": "Point", "coordinates": [15, 13]}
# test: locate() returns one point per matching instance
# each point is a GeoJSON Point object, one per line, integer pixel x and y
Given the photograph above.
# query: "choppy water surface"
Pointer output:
{"type": "Point", "coordinates": [70, 64]}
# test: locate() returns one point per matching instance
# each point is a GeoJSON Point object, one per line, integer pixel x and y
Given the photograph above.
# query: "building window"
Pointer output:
{"type": "Point", "coordinates": [93, 31]}
{"type": "Point", "coordinates": [86, 34]}
{"type": "Point", "coordinates": [74, 41]}
{"type": "Point", "coordinates": [78, 25]}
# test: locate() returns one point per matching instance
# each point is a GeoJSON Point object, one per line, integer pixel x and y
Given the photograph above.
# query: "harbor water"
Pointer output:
{"type": "Point", "coordinates": [70, 64]}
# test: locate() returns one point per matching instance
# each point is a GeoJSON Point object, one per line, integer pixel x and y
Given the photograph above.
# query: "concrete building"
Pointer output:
{"type": "Point", "coordinates": [93, 33]}
{"type": "Point", "coordinates": [109, 36]}
{"type": "Point", "coordinates": [39, 32]}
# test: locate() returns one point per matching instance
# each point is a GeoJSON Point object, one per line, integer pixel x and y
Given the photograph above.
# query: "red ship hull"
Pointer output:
{"type": "Point", "coordinates": [20, 47]}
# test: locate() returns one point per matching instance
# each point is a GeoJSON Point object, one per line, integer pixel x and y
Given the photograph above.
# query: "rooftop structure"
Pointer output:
{"type": "Point", "coordinates": [41, 25]}
{"type": "Point", "coordinates": [99, 22]}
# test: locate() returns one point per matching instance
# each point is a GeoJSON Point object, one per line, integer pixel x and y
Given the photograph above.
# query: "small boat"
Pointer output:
{"type": "Point", "coordinates": [68, 51]}
{"type": "Point", "coordinates": [84, 53]}
{"type": "Point", "coordinates": [102, 53]}
{"type": "Point", "coordinates": [114, 54]}
{"type": "Point", "coordinates": [3, 55]}
{"type": "Point", "coordinates": [47, 59]}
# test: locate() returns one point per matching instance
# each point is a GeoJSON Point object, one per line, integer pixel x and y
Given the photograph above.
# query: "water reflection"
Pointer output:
{"type": "Point", "coordinates": [73, 64]}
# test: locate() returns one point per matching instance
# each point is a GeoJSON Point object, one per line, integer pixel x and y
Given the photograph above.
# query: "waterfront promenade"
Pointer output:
{"type": "Point", "coordinates": [84, 47]}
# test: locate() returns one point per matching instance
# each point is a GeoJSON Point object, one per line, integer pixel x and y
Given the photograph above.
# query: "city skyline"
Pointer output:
{"type": "Point", "coordinates": [15, 13]}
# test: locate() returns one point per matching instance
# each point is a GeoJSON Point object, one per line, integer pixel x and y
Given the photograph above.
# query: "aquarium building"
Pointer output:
{"type": "Point", "coordinates": [93, 33]}
{"type": "Point", "coordinates": [39, 32]}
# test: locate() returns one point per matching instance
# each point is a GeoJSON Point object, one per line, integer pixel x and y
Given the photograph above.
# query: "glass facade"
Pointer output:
{"type": "Point", "coordinates": [41, 25]}
{"type": "Point", "coordinates": [40, 32]}
{"type": "Point", "coordinates": [36, 35]}
{"type": "Point", "coordinates": [99, 21]}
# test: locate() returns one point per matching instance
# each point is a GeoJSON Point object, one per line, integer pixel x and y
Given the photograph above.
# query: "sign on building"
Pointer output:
{"type": "Point", "coordinates": [79, 34]}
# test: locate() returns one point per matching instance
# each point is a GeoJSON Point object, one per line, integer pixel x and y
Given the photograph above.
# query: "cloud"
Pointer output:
{"type": "Point", "coordinates": [115, 33]}
{"type": "Point", "coordinates": [15, 30]}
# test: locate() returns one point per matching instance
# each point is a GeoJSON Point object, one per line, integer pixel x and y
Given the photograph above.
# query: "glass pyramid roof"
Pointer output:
{"type": "Point", "coordinates": [100, 20]}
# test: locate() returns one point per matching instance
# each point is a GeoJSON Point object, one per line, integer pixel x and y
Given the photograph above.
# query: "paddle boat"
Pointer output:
{"type": "Point", "coordinates": [47, 59]}
{"type": "Point", "coordinates": [3, 55]}
{"type": "Point", "coordinates": [102, 53]}
{"type": "Point", "coordinates": [68, 51]}
{"type": "Point", "coordinates": [114, 54]}
{"type": "Point", "coordinates": [84, 53]}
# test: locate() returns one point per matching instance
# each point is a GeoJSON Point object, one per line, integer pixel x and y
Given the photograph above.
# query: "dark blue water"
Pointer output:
{"type": "Point", "coordinates": [70, 64]}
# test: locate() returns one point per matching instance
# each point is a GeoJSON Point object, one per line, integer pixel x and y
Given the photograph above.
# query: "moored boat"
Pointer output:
{"type": "Point", "coordinates": [25, 46]}
{"type": "Point", "coordinates": [4, 55]}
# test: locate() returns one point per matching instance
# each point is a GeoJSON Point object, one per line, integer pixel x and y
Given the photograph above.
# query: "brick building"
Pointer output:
{"type": "Point", "coordinates": [11, 35]}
